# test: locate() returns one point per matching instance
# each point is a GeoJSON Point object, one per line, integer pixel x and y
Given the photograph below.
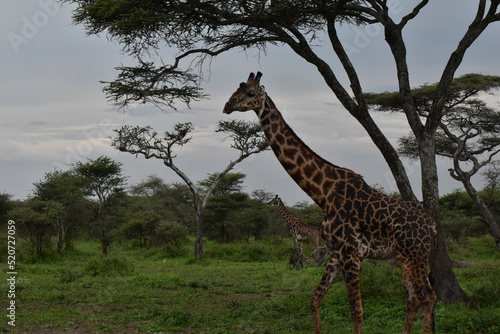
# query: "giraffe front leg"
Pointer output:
{"type": "Point", "coordinates": [350, 268]}
{"type": "Point", "coordinates": [332, 270]}
{"type": "Point", "coordinates": [301, 251]}
{"type": "Point", "coordinates": [315, 243]}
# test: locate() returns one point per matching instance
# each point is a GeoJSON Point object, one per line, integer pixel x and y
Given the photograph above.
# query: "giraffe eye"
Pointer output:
{"type": "Point", "coordinates": [251, 93]}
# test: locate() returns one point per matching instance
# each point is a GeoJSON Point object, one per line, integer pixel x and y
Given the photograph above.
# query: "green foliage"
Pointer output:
{"type": "Point", "coordinates": [461, 89]}
{"type": "Point", "coordinates": [310, 213]}
{"type": "Point", "coordinates": [468, 129]}
{"type": "Point", "coordinates": [159, 215]}
{"type": "Point", "coordinates": [460, 227]}
{"type": "Point", "coordinates": [36, 218]}
{"type": "Point", "coordinates": [246, 136]}
{"type": "Point", "coordinates": [458, 201]}
{"type": "Point", "coordinates": [461, 320]}
{"type": "Point", "coordinates": [248, 252]}
{"type": "Point", "coordinates": [170, 232]}
{"type": "Point", "coordinates": [151, 186]}
{"type": "Point", "coordinates": [231, 214]}
{"type": "Point", "coordinates": [65, 188]}
{"type": "Point", "coordinates": [228, 292]}
{"type": "Point", "coordinates": [102, 178]}
{"type": "Point", "coordinates": [460, 218]}
{"type": "Point", "coordinates": [108, 267]}
{"type": "Point", "coordinates": [228, 184]}
{"type": "Point", "coordinates": [140, 227]}
{"type": "Point", "coordinates": [6, 204]}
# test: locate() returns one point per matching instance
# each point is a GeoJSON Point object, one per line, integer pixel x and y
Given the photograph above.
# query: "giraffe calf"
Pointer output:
{"type": "Point", "coordinates": [300, 231]}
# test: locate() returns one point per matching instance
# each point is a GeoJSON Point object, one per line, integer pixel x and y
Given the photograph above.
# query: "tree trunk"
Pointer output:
{"type": "Point", "coordinates": [105, 243]}
{"type": "Point", "coordinates": [485, 212]}
{"type": "Point", "coordinates": [198, 243]}
{"type": "Point", "coordinates": [39, 243]}
{"type": "Point", "coordinates": [444, 281]}
{"type": "Point", "coordinates": [60, 238]}
{"type": "Point", "coordinates": [105, 239]}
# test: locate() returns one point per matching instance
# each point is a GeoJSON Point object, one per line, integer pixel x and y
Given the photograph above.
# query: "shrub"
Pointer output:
{"type": "Point", "coordinates": [108, 267]}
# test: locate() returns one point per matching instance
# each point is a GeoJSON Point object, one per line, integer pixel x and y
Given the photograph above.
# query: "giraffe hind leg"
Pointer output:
{"type": "Point", "coordinates": [428, 300]}
{"type": "Point", "coordinates": [332, 270]}
{"type": "Point", "coordinates": [419, 294]}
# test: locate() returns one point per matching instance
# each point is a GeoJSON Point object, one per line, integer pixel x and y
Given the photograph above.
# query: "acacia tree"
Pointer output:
{"type": "Point", "coordinates": [64, 188]}
{"type": "Point", "coordinates": [226, 198]}
{"type": "Point", "coordinates": [491, 176]}
{"type": "Point", "coordinates": [468, 131]}
{"type": "Point", "coordinates": [204, 29]}
{"type": "Point", "coordinates": [37, 217]}
{"type": "Point", "coordinates": [102, 178]}
{"type": "Point", "coordinates": [247, 138]}
{"type": "Point", "coordinates": [6, 204]}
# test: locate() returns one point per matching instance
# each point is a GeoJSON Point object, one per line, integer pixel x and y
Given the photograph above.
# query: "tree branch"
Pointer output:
{"type": "Point", "coordinates": [414, 13]}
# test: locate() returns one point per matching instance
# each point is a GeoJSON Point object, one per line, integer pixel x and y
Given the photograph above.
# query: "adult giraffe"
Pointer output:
{"type": "Point", "coordinates": [359, 222]}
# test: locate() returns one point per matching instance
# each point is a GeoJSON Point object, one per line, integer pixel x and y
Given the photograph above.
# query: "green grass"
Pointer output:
{"type": "Point", "coordinates": [237, 288]}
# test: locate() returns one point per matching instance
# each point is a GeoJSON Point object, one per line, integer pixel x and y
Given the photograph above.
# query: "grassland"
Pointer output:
{"type": "Point", "coordinates": [237, 288]}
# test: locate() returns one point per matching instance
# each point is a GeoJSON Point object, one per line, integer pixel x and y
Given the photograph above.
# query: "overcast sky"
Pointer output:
{"type": "Point", "coordinates": [53, 111]}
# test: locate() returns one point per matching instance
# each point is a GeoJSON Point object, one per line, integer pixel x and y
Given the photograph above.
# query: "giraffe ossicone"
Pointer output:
{"type": "Point", "coordinates": [359, 222]}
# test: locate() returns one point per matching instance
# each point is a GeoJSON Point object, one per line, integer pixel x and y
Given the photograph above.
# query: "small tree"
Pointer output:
{"type": "Point", "coordinates": [491, 177]}
{"type": "Point", "coordinates": [247, 139]}
{"type": "Point", "coordinates": [150, 187]}
{"type": "Point", "coordinates": [102, 178]}
{"type": "Point", "coordinates": [6, 204]}
{"type": "Point", "coordinates": [226, 199]}
{"type": "Point", "coordinates": [37, 216]}
{"type": "Point", "coordinates": [228, 184]}
{"type": "Point", "coordinates": [460, 217]}
{"type": "Point", "coordinates": [154, 208]}
{"type": "Point", "coordinates": [64, 188]}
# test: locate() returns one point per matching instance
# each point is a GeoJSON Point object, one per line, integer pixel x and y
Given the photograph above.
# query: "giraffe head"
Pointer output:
{"type": "Point", "coordinates": [249, 96]}
{"type": "Point", "coordinates": [274, 201]}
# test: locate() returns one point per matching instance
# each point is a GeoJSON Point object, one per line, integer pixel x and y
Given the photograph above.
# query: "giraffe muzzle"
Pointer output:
{"type": "Point", "coordinates": [228, 108]}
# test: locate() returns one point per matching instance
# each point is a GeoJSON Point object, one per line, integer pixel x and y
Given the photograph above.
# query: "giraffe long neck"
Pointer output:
{"type": "Point", "coordinates": [284, 212]}
{"type": "Point", "coordinates": [315, 175]}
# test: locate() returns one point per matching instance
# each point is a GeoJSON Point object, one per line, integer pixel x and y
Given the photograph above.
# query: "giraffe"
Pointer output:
{"type": "Point", "coordinates": [299, 230]}
{"type": "Point", "coordinates": [359, 222]}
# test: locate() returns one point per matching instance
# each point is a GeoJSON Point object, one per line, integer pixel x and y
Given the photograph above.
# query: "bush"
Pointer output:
{"type": "Point", "coordinates": [258, 251]}
{"type": "Point", "coordinates": [108, 267]}
{"type": "Point", "coordinates": [483, 322]}
{"type": "Point", "coordinates": [170, 232]}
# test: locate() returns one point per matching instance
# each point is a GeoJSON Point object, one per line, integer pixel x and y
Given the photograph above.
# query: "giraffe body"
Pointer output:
{"type": "Point", "coordinates": [299, 230]}
{"type": "Point", "coordinates": [359, 222]}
